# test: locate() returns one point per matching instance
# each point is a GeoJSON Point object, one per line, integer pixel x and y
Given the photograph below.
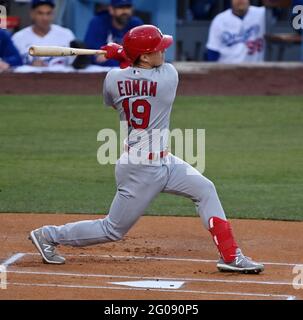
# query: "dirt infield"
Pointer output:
{"type": "Point", "coordinates": [195, 79]}
{"type": "Point", "coordinates": [157, 248]}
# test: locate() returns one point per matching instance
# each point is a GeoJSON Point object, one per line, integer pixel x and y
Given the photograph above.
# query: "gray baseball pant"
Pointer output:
{"type": "Point", "coordinates": [137, 186]}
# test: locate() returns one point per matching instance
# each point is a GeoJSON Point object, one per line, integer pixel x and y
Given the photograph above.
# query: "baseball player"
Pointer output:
{"type": "Point", "coordinates": [143, 94]}
{"type": "Point", "coordinates": [237, 34]}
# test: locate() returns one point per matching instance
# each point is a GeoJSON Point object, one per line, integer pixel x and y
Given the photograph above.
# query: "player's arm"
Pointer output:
{"type": "Point", "coordinates": [212, 55]}
{"type": "Point", "coordinates": [214, 42]}
{"type": "Point", "coordinates": [10, 54]}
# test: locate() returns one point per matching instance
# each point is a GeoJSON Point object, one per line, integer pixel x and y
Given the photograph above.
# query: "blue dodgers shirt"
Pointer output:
{"type": "Point", "coordinates": [8, 51]}
{"type": "Point", "coordinates": [101, 31]}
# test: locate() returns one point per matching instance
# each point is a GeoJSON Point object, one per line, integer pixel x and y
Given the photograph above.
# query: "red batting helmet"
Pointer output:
{"type": "Point", "coordinates": [145, 39]}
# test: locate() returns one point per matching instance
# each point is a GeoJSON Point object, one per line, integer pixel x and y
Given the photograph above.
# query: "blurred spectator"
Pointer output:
{"type": "Point", "coordinates": [111, 26]}
{"type": "Point", "coordinates": [43, 32]}
{"type": "Point", "coordinates": [237, 34]}
{"type": "Point", "coordinates": [9, 56]}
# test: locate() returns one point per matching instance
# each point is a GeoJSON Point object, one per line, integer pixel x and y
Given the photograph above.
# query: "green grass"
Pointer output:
{"type": "Point", "coordinates": [254, 154]}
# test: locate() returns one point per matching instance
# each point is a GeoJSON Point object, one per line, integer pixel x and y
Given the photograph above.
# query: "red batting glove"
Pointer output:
{"type": "Point", "coordinates": [116, 52]}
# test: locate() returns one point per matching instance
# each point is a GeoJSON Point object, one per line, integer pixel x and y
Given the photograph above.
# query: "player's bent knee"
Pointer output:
{"type": "Point", "coordinates": [205, 190]}
{"type": "Point", "coordinates": [208, 187]}
{"type": "Point", "coordinates": [112, 231]}
{"type": "Point", "coordinates": [211, 186]}
{"type": "Point", "coordinates": [115, 236]}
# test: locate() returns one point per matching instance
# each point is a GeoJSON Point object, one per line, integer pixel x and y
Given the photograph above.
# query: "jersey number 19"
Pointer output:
{"type": "Point", "coordinates": [138, 115]}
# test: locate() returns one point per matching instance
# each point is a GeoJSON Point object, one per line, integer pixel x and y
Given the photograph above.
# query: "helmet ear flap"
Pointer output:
{"type": "Point", "coordinates": [139, 59]}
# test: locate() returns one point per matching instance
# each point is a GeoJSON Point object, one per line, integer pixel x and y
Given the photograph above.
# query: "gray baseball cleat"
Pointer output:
{"type": "Point", "coordinates": [45, 248]}
{"type": "Point", "coordinates": [241, 264]}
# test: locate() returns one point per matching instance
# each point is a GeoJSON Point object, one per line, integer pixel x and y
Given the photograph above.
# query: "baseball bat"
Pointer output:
{"type": "Point", "coordinates": [52, 51]}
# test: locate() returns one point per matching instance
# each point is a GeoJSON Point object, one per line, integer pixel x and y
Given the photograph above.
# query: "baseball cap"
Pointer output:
{"type": "Point", "coordinates": [36, 3]}
{"type": "Point", "coordinates": [121, 3]}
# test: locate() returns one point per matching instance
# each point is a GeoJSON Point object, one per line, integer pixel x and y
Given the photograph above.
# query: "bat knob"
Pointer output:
{"type": "Point", "coordinates": [31, 51]}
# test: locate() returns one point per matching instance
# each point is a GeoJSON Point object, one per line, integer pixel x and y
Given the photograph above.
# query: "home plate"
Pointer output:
{"type": "Point", "coordinates": [152, 284]}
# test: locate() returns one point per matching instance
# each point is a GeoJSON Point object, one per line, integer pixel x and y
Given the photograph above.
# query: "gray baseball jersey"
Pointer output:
{"type": "Point", "coordinates": [144, 99]}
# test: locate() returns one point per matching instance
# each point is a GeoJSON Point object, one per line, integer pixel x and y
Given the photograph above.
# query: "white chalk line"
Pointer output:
{"type": "Point", "coordinates": [164, 258]}
{"type": "Point", "coordinates": [89, 275]}
{"type": "Point", "coordinates": [13, 259]}
{"type": "Point", "coordinates": [242, 294]}
{"type": "Point", "coordinates": [18, 256]}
